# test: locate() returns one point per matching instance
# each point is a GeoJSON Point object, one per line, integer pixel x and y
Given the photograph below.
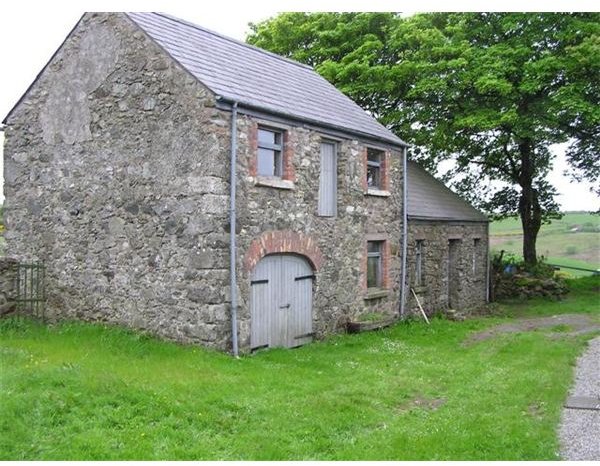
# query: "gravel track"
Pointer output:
{"type": "Point", "coordinates": [579, 430]}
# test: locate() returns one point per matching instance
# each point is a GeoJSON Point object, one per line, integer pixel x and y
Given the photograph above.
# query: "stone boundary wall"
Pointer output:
{"type": "Point", "coordinates": [8, 285]}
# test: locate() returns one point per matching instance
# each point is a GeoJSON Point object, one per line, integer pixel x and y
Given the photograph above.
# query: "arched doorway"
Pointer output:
{"type": "Point", "coordinates": [281, 302]}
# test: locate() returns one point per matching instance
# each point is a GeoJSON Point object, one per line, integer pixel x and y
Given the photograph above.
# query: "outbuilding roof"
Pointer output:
{"type": "Point", "coordinates": [430, 199]}
{"type": "Point", "coordinates": [259, 79]}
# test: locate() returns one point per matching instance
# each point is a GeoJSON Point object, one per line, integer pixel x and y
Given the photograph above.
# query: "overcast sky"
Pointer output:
{"type": "Point", "coordinates": [31, 32]}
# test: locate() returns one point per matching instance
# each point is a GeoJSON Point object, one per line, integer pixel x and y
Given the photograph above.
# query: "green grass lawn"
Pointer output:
{"type": "Point", "coordinates": [556, 241]}
{"type": "Point", "coordinates": [412, 391]}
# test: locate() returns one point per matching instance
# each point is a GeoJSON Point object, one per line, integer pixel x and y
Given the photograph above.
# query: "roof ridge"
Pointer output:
{"type": "Point", "coordinates": [231, 39]}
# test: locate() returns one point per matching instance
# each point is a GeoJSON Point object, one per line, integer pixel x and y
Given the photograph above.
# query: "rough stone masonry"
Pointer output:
{"type": "Point", "coordinates": [117, 177]}
{"type": "Point", "coordinates": [123, 193]}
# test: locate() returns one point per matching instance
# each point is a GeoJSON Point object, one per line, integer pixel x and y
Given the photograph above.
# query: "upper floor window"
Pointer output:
{"type": "Point", "coordinates": [270, 149]}
{"type": "Point", "coordinates": [375, 159]}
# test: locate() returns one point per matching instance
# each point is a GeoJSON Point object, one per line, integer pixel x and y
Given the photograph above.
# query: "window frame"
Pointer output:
{"type": "Point", "coordinates": [277, 148]}
{"type": "Point", "coordinates": [476, 246]}
{"type": "Point", "coordinates": [379, 165]}
{"type": "Point", "coordinates": [379, 270]}
{"type": "Point", "coordinates": [419, 262]}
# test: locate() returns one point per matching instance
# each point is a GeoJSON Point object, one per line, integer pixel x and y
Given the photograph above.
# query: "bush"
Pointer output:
{"type": "Point", "coordinates": [540, 270]}
{"type": "Point", "coordinates": [571, 250]}
{"type": "Point", "coordinates": [508, 263]}
{"type": "Point", "coordinates": [513, 278]}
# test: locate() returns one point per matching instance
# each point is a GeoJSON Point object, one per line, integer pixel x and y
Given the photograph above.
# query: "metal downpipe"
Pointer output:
{"type": "Point", "coordinates": [489, 265]}
{"type": "Point", "coordinates": [404, 232]}
{"type": "Point", "coordinates": [232, 233]}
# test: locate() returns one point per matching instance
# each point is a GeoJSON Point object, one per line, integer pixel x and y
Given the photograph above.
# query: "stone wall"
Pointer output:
{"type": "Point", "coordinates": [433, 293]}
{"type": "Point", "coordinates": [116, 177]}
{"type": "Point", "coordinates": [340, 292]}
{"type": "Point", "coordinates": [8, 285]}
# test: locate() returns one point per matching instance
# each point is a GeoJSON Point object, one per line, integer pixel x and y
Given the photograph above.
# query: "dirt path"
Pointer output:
{"type": "Point", "coordinates": [562, 325]}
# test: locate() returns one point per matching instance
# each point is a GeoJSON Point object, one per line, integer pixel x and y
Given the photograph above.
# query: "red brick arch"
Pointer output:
{"type": "Point", "coordinates": [283, 241]}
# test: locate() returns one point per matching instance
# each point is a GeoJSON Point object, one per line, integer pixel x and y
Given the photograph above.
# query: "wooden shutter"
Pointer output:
{"type": "Point", "coordinates": [328, 181]}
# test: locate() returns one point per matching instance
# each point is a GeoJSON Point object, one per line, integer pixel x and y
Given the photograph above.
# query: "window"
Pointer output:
{"type": "Point", "coordinates": [375, 159]}
{"type": "Point", "coordinates": [374, 264]}
{"type": "Point", "coordinates": [269, 157]}
{"type": "Point", "coordinates": [419, 263]}
{"type": "Point", "coordinates": [328, 180]}
{"type": "Point", "coordinates": [476, 243]}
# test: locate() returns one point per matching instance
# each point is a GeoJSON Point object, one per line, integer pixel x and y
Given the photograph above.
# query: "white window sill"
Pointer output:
{"type": "Point", "coordinates": [377, 193]}
{"type": "Point", "coordinates": [274, 182]}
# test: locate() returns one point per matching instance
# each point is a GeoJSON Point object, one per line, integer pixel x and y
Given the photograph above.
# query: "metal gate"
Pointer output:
{"type": "Point", "coordinates": [281, 302]}
{"type": "Point", "coordinates": [30, 289]}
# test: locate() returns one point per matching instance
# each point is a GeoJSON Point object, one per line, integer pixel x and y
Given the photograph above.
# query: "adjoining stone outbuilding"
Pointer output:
{"type": "Point", "coordinates": [448, 243]}
{"type": "Point", "coordinates": [118, 169]}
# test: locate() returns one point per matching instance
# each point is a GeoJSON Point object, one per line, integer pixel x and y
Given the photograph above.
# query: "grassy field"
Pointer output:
{"type": "Point", "coordinates": [81, 391]}
{"type": "Point", "coordinates": [558, 241]}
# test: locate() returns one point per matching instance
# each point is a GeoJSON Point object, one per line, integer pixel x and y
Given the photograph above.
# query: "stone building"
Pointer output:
{"type": "Point", "coordinates": [118, 167]}
{"type": "Point", "coordinates": [447, 260]}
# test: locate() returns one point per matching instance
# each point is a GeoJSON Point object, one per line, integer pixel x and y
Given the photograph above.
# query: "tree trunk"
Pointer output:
{"type": "Point", "coordinates": [529, 206]}
{"type": "Point", "coordinates": [531, 227]}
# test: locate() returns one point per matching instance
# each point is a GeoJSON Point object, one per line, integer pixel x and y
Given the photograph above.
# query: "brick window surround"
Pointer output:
{"type": "Point", "coordinates": [287, 155]}
{"type": "Point", "coordinates": [283, 241]}
{"type": "Point", "coordinates": [385, 261]}
{"type": "Point", "coordinates": [384, 169]}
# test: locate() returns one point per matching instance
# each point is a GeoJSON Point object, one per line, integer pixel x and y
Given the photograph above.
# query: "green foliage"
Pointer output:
{"type": "Point", "coordinates": [502, 261]}
{"type": "Point", "coordinates": [492, 91]}
{"type": "Point", "coordinates": [571, 250]}
{"type": "Point", "coordinates": [81, 391]}
{"type": "Point", "coordinates": [540, 269]}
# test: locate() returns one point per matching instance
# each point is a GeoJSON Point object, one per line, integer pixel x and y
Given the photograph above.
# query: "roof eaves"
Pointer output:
{"type": "Point", "coordinates": [483, 219]}
{"type": "Point", "coordinates": [394, 141]}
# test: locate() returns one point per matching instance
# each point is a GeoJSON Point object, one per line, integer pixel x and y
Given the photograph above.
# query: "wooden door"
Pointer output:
{"type": "Point", "coordinates": [281, 302]}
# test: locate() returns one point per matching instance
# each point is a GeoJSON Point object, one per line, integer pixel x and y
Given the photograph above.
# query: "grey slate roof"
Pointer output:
{"type": "Point", "coordinates": [430, 199]}
{"type": "Point", "coordinates": [257, 78]}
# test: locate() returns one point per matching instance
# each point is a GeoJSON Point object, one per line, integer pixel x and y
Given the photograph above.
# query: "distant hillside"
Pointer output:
{"type": "Point", "coordinates": [573, 240]}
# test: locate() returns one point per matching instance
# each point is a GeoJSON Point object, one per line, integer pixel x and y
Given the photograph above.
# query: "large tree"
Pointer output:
{"type": "Point", "coordinates": [492, 91]}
